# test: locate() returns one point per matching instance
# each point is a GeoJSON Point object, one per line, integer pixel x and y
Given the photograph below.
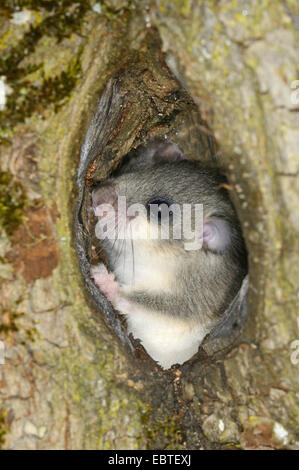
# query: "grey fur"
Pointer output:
{"type": "Point", "coordinates": [206, 281]}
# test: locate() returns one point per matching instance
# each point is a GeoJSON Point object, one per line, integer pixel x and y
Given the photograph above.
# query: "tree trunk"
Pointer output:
{"type": "Point", "coordinates": [71, 378]}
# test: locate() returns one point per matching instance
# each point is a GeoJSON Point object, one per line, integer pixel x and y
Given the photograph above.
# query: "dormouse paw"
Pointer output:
{"type": "Point", "coordinates": [110, 287]}
{"type": "Point", "coordinates": [105, 281]}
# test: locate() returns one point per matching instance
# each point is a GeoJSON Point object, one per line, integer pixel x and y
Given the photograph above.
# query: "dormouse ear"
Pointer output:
{"type": "Point", "coordinates": [103, 194]}
{"type": "Point", "coordinates": [161, 151]}
{"type": "Point", "coordinates": [154, 152]}
{"type": "Point", "coordinates": [217, 234]}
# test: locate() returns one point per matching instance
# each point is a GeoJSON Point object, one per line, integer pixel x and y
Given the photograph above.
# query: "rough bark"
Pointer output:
{"type": "Point", "coordinates": [67, 381]}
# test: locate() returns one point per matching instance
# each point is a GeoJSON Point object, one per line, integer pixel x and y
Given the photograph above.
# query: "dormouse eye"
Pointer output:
{"type": "Point", "coordinates": [158, 207]}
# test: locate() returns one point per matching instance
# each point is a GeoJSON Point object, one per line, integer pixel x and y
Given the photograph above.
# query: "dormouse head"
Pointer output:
{"type": "Point", "coordinates": [161, 199]}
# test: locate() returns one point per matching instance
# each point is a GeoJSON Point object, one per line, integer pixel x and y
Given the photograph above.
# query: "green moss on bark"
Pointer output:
{"type": "Point", "coordinates": [12, 203]}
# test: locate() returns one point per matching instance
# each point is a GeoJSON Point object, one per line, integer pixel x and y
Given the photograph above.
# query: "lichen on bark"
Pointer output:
{"type": "Point", "coordinates": [71, 384]}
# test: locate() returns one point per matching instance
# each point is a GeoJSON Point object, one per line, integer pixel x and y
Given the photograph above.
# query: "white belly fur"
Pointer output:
{"type": "Point", "coordinates": [166, 339]}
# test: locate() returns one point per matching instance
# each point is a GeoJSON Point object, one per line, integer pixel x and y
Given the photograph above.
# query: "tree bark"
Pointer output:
{"type": "Point", "coordinates": [71, 378]}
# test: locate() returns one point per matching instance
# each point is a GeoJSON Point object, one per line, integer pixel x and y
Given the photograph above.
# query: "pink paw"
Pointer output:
{"type": "Point", "coordinates": [105, 281]}
{"type": "Point", "coordinates": [110, 287]}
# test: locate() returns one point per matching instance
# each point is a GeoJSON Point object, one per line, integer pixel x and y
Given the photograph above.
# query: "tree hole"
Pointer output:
{"type": "Point", "coordinates": [150, 146]}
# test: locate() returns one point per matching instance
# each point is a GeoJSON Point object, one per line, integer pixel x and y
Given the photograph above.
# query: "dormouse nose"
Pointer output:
{"type": "Point", "coordinates": [103, 194]}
